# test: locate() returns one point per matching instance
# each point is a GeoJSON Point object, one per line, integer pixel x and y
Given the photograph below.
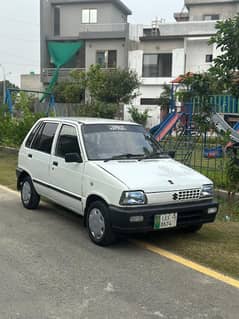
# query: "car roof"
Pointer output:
{"type": "Point", "coordinates": [88, 120]}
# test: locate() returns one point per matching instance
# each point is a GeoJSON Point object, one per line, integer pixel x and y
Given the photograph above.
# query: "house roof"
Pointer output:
{"type": "Point", "coordinates": [117, 3]}
{"type": "Point", "coordinates": [189, 3]}
{"type": "Point", "coordinates": [181, 78]}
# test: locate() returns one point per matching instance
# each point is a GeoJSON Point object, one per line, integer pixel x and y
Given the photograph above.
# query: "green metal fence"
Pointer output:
{"type": "Point", "coordinates": [200, 154]}
{"type": "Point", "coordinates": [220, 104]}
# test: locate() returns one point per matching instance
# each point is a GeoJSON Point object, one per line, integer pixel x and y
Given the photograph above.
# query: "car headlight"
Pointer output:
{"type": "Point", "coordinates": [207, 191]}
{"type": "Point", "coordinates": [133, 198]}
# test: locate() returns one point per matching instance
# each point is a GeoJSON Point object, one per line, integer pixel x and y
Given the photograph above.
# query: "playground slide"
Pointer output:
{"type": "Point", "coordinates": [222, 125]}
{"type": "Point", "coordinates": [166, 126]}
{"type": "Point", "coordinates": [236, 127]}
{"type": "Point", "coordinates": [158, 127]}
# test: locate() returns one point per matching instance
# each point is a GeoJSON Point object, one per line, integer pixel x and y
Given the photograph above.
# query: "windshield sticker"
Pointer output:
{"type": "Point", "coordinates": [118, 128]}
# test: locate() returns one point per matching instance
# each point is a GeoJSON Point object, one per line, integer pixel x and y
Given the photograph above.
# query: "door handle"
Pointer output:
{"type": "Point", "coordinates": [30, 155]}
{"type": "Point", "coordinates": [55, 163]}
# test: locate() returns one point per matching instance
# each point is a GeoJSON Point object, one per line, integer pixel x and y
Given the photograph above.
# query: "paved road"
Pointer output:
{"type": "Point", "coordinates": [50, 270]}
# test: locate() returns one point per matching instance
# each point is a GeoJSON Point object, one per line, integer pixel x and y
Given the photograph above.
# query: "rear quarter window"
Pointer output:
{"type": "Point", "coordinates": [44, 137]}
{"type": "Point", "coordinates": [33, 134]}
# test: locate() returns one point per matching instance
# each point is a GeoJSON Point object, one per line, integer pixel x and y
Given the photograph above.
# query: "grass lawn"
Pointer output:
{"type": "Point", "coordinates": [216, 245]}
{"type": "Point", "coordinates": [8, 163]}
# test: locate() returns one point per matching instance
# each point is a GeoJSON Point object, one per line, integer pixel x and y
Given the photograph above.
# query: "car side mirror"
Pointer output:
{"type": "Point", "coordinates": [172, 154]}
{"type": "Point", "coordinates": [73, 158]}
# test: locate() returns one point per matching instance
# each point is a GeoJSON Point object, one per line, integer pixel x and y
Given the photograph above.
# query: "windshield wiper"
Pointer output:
{"type": "Point", "coordinates": [155, 155]}
{"type": "Point", "coordinates": [125, 156]}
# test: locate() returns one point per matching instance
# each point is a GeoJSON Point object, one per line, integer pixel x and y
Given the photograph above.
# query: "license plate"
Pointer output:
{"type": "Point", "coordinates": [165, 221]}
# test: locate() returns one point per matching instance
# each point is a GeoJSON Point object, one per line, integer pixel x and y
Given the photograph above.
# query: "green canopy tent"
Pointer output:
{"type": "Point", "coordinates": [60, 54]}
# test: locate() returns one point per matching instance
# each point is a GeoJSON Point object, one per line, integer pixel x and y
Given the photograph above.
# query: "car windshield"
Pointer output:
{"type": "Point", "coordinates": [111, 142]}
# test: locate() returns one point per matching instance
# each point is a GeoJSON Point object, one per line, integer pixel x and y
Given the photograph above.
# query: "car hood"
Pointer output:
{"type": "Point", "coordinates": [154, 175]}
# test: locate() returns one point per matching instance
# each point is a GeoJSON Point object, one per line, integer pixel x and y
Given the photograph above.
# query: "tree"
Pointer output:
{"type": "Point", "coordinates": [98, 109]}
{"type": "Point", "coordinates": [139, 117]}
{"type": "Point", "coordinates": [73, 90]}
{"type": "Point", "coordinates": [115, 86]}
{"type": "Point", "coordinates": [200, 86]}
{"type": "Point", "coordinates": [226, 65]}
{"type": "Point", "coordinates": [165, 97]}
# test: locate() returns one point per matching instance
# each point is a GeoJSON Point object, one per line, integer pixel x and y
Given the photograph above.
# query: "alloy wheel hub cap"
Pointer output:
{"type": "Point", "coordinates": [26, 192]}
{"type": "Point", "coordinates": [96, 223]}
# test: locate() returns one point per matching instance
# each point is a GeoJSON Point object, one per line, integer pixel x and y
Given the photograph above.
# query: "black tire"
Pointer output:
{"type": "Point", "coordinates": [192, 228]}
{"type": "Point", "coordinates": [99, 210]}
{"type": "Point", "coordinates": [32, 200]}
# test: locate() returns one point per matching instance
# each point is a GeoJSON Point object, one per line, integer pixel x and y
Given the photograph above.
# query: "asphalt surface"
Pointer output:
{"type": "Point", "coordinates": [49, 269]}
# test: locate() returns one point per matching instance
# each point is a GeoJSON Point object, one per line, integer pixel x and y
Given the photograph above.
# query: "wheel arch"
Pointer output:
{"type": "Point", "coordinates": [90, 199]}
{"type": "Point", "coordinates": [21, 175]}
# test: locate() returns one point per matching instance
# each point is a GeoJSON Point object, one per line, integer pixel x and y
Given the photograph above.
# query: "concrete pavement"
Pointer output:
{"type": "Point", "coordinates": [49, 269]}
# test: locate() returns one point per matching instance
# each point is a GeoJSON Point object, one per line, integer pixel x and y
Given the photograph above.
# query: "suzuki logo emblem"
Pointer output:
{"type": "Point", "coordinates": [175, 196]}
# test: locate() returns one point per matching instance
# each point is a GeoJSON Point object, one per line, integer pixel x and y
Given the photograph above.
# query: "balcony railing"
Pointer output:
{"type": "Point", "coordinates": [64, 73]}
{"type": "Point", "coordinates": [111, 27]}
{"type": "Point", "coordinates": [203, 2]}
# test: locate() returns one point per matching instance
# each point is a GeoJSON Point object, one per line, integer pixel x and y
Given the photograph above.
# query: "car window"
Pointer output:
{"type": "Point", "coordinates": [105, 141]}
{"type": "Point", "coordinates": [44, 138]}
{"type": "Point", "coordinates": [32, 134]}
{"type": "Point", "coordinates": [67, 141]}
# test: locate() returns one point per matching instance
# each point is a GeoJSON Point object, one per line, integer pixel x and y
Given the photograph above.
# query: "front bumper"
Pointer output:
{"type": "Point", "coordinates": [188, 214]}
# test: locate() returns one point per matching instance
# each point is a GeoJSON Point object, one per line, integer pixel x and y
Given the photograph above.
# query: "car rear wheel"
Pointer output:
{"type": "Point", "coordinates": [30, 198]}
{"type": "Point", "coordinates": [99, 225]}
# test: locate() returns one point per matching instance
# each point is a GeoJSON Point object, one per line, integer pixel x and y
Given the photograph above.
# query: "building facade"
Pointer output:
{"type": "Point", "coordinates": [101, 24]}
{"type": "Point", "coordinates": [163, 51]}
{"type": "Point", "coordinates": [158, 53]}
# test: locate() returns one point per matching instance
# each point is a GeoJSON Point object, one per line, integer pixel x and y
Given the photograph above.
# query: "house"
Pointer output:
{"type": "Point", "coordinates": [163, 51]}
{"type": "Point", "coordinates": [100, 25]}
{"type": "Point", "coordinates": [158, 53]}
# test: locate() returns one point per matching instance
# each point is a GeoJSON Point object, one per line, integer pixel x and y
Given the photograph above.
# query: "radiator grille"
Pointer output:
{"type": "Point", "coordinates": [187, 194]}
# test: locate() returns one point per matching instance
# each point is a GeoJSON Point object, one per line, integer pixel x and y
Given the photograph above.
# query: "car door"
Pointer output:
{"type": "Point", "coordinates": [38, 156]}
{"type": "Point", "coordinates": [67, 178]}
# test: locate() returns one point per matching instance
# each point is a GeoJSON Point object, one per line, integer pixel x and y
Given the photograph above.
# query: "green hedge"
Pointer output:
{"type": "Point", "coordinates": [14, 130]}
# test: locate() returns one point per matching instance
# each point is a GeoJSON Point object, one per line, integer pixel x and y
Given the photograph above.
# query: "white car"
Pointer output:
{"type": "Point", "coordinates": [114, 174]}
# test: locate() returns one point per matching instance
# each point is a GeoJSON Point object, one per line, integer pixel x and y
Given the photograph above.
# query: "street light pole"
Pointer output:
{"type": "Point", "coordinates": [4, 83]}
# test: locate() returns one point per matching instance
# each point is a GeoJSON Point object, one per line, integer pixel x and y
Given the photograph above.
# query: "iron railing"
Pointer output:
{"type": "Point", "coordinates": [64, 73]}
{"type": "Point", "coordinates": [220, 104]}
{"type": "Point", "coordinates": [110, 27]}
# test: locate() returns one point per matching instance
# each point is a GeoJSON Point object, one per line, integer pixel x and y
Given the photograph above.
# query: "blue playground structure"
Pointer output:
{"type": "Point", "coordinates": [221, 104]}
{"type": "Point", "coordinates": [236, 127]}
{"type": "Point", "coordinates": [176, 115]}
{"type": "Point", "coordinates": [9, 102]}
{"type": "Point", "coordinates": [161, 130]}
{"type": "Point", "coordinates": [186, 137]}
{"type": "Point", "coordinates": [214, 152]}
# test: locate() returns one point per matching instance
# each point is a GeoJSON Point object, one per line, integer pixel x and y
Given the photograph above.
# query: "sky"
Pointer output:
{"type": "Point", "coordinates": [20, 31]}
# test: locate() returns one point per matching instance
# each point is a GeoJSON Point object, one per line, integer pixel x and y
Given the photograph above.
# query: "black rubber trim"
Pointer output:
{"type": "Point", "coordinates": [199, 205]}
{"type": "Point", "coordinates": [19, 172]}
{"type": "Point", "coordinates": [188, 214]}
{"type": "Point", "coordinates": [57, 190]}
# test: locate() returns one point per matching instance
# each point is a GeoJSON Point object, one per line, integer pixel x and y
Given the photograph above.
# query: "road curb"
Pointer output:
{"type": "Point", "coordinates": [7, 189]}
{"type": "Point", "coordinates": [188, 263]}
{"type": "Point", "coordinates": [224, 194]}
{"type": "Point", "coordinates": [12, 150]}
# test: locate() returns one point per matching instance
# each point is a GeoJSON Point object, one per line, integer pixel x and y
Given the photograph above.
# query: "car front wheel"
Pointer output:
{"type": "Point", "coordinates": [99, 225]}
{"type": "Point", "coordinates": [30, 198]}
